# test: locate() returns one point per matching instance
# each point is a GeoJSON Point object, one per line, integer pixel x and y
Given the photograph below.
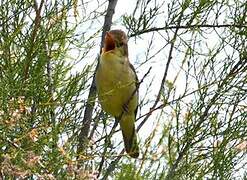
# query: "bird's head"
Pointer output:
{"type": "Point", "coordinates": [116, 40]}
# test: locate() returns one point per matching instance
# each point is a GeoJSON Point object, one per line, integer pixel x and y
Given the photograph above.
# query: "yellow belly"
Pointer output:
{"type": "Point", "coordinates": [115, 82]}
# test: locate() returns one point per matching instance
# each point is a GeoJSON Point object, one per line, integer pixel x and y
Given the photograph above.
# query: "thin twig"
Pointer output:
{"type": "Point", "coordinates": [187, 27]}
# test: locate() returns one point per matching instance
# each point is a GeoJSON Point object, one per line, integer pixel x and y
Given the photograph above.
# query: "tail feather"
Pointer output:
{"type": "Point", "coordinates": [131, 145]}
{"type": "Point", "coordinates": [127, 124]}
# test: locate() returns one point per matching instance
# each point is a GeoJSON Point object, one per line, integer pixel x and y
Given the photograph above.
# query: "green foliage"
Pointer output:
{"type": "Point", "coordinates": [39, 91]}
{"type": "Point", "coordinates": [128, 172]}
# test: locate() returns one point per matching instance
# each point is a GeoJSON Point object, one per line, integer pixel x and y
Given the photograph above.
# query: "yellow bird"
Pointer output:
{"type": "Point", "coordinates": [116, 83]}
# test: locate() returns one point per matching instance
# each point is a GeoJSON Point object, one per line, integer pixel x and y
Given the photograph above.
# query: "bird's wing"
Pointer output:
{"type": "Point", "coordinates": [137, 85]}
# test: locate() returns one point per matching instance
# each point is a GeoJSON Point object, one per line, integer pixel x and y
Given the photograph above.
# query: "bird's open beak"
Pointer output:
{"type": "Point", "coordinates": [109, 43]}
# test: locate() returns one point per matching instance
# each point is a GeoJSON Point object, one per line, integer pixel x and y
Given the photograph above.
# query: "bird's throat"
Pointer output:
{"type": "Point", "coordinates": [109, 42]}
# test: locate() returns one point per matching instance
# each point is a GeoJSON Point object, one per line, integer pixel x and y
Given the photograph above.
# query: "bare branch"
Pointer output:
{"type": "Point", "coordinates": [188, 27]}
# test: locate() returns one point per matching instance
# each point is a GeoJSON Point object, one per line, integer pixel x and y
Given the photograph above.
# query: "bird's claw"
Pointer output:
{"type": "Point", "coordinates": [125, 108]}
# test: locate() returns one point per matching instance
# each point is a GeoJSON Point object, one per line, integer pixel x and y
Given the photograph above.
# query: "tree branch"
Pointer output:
{"type": "Point", "coordinates": [187, 27]}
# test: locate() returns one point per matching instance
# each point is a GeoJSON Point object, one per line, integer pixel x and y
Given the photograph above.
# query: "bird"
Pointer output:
{"type": "Point", "coordinates": [117, 87]}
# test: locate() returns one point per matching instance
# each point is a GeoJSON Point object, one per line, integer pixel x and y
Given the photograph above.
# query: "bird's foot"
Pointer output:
{"type": "Point", "coordinates": [125, 108]}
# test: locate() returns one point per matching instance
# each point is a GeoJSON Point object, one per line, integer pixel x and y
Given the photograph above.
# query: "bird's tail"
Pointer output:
{"type": "Point", "coordinates": [127, 124]}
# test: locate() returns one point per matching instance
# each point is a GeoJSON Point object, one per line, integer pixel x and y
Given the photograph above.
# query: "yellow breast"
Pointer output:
{"type": "Point", "coordinates": [115, 83]}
